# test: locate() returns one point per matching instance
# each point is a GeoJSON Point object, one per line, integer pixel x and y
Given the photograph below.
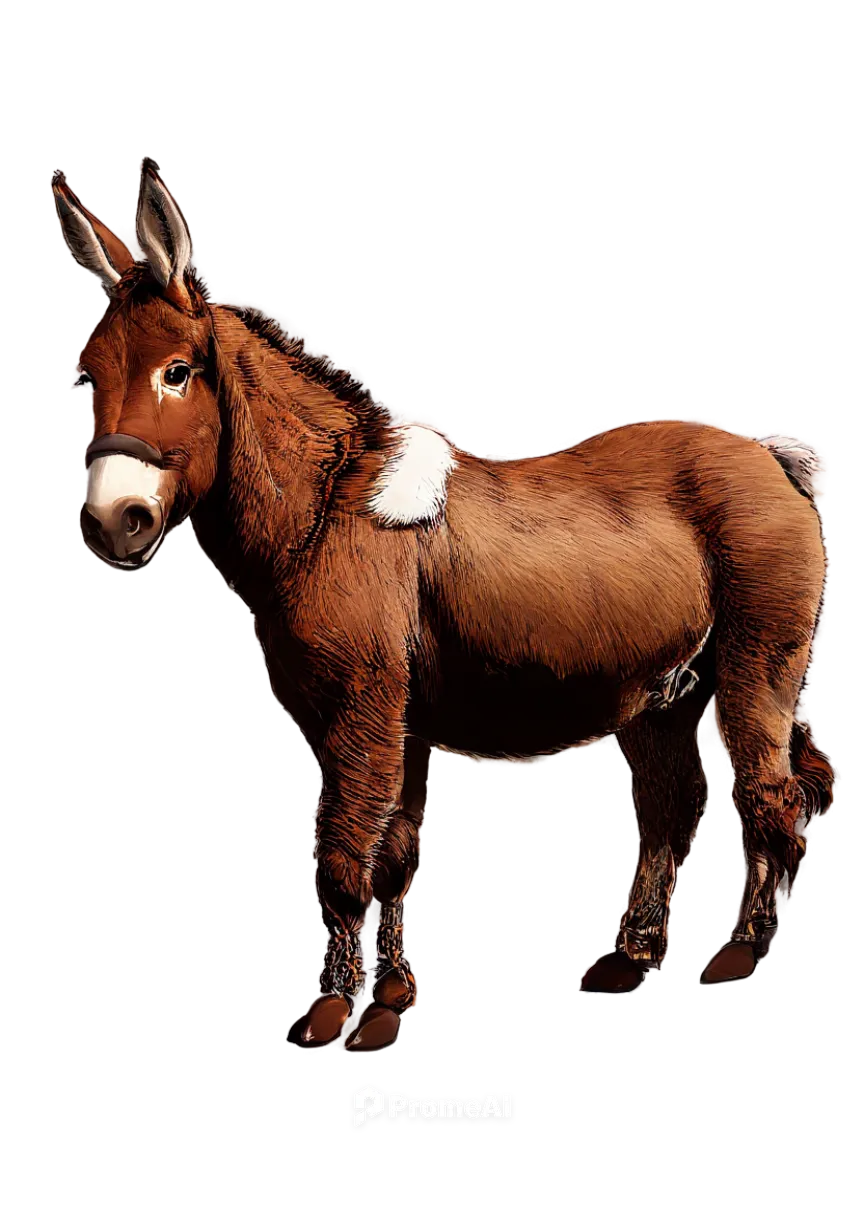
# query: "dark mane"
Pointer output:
{"type": "Point", "coordinates": [317, 369]}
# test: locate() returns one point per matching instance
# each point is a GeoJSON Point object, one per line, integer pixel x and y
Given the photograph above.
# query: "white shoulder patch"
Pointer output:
{"type": "Point", "coordinates": [412, 487]}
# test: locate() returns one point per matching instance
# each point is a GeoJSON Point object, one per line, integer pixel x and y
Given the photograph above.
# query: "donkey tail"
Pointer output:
{"type": "Point", "coordinates": [812, 770]}
{"type": "Point", "coordinates": [800, 463]}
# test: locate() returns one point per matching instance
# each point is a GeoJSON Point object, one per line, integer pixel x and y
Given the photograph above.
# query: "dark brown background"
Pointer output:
{"type": "Point", "coordinates": [156, 894]}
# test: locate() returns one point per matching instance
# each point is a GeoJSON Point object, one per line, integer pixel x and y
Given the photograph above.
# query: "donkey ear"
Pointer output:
{"type": "Point", "coordinates": [162, 232]}
{"type": "Point", "coordinates": [90, 242]}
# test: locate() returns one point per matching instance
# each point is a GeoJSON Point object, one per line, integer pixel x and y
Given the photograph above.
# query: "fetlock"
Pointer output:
{"type": "Point", "coordinates": [395, 986]}
{"type": "Point", "coordinates": [343, 965]}
{"type": "Point", "coordinates": [643, 934]}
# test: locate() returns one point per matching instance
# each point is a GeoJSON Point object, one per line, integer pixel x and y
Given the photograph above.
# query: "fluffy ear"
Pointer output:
{"type": "Point", "coordinates": [163, 233]}
{"type": "Point", "coordinates": [90, 242]}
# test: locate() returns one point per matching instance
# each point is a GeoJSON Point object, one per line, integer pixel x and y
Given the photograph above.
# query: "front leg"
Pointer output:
{"type": "Point", "coordinates": [395, 864]}
{"type": "Point", "coordinates": [361, 764]}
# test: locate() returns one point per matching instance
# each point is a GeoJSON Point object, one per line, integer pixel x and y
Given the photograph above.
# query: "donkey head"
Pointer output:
{"type": "Point", "coordinates": [149, 361]}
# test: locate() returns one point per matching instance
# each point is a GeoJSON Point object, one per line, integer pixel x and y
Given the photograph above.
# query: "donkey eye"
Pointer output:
{"type": "Point", "coordinates": [177, 375]}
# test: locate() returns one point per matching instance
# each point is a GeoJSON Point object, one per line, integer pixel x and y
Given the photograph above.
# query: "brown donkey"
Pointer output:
{"type": "Point", "coordinates": [408, 595]}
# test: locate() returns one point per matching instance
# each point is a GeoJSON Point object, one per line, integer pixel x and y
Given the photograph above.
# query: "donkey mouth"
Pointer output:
{"type": "Point", "coordinates": [130, 561]}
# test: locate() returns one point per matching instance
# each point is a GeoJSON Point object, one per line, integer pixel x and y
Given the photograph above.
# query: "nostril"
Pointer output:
{"type": "Point", "coordinates": [138, 520]}
{"type": "Point", "coordinates": [90, 525]}
{"type": "Point", "coordinates": [94, 532]}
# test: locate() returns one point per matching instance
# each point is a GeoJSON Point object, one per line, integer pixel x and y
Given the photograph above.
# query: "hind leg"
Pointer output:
{"type": "Point", "coordinates": [395, 864]}
{"type": "Point", "coordinates": [756, 703]}
{"type": "Point", "coordinates": [669, 792]}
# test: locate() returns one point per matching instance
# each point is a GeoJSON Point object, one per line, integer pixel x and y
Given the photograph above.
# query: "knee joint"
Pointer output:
{"type": "Point", "coordinates": [397, 859]}
{"type": "Point", "coordinates": [344, 885]}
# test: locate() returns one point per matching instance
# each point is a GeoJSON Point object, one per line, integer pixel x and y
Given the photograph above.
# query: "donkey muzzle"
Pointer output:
{"type": "Point", "coordinates": [123, 520]}
{"type": "Point", "coordinates": [128, 534]}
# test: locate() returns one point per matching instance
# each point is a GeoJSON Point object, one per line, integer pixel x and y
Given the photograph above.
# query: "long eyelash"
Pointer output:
{"type": "Point", "coordinates": [84, 380]}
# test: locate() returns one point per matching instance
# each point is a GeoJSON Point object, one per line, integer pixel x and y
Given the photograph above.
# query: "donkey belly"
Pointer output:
{"type": "Point", "coordinates": [518, 712]}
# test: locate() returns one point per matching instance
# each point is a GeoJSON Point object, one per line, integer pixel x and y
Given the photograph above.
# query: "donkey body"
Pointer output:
{"type": "Point", "coordinates": [410, 596]}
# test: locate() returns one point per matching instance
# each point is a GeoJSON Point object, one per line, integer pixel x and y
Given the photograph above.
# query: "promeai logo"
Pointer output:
{"type": "Point", "coordinates": [367, 1102]}
{"type": "Point", "coordinates": [370, 1101]}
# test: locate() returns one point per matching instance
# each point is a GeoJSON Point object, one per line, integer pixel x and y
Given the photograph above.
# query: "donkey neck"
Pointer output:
{"type": "Point", "coordinates": [286, 437]}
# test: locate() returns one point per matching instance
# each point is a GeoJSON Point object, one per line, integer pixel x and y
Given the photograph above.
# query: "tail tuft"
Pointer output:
{"type": "Point", "coordinates": [812, 770]}
{"type": "Point", "coordinates": [800, 463]}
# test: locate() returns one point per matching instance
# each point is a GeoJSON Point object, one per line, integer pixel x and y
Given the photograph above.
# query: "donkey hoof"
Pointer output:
{"type": "Point", "coordinates": [395, 989]}
{"type": "Point", "coordinates": [734, 961]}
{"type": "Point", "coordinates": [615, 973]}
{"type": "Point", "coordinates": [378, 1027]}
{"type": "Point", "coordinates": [322, 1023]}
